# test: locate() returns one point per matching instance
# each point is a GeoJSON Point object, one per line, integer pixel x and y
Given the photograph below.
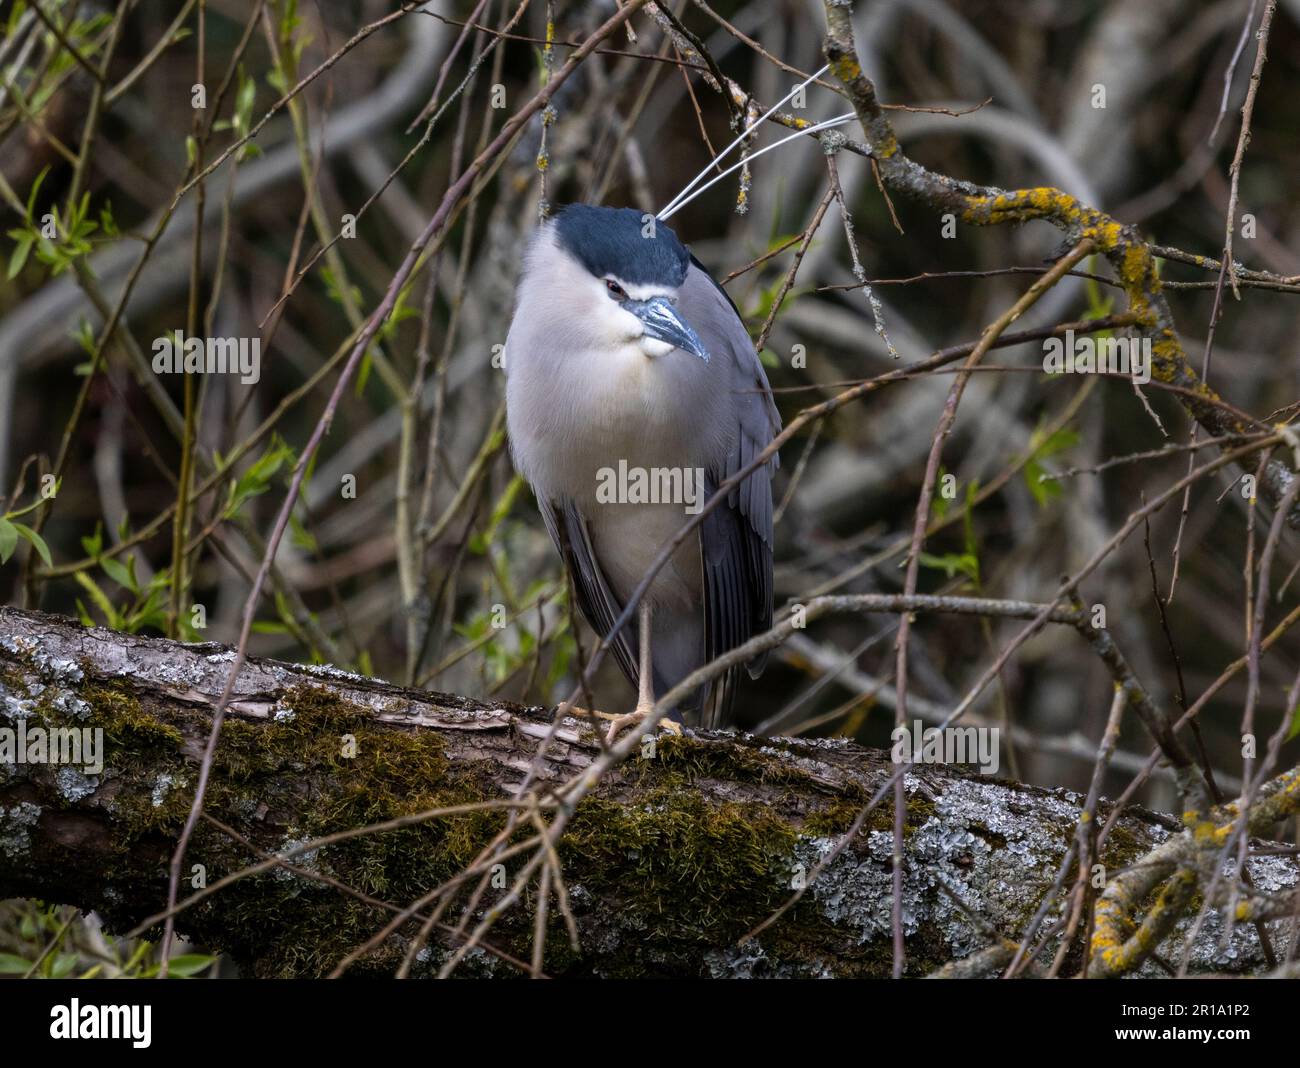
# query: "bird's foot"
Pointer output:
{"type": "Point", "coordinates": [617, 723]}
{"type": "Point", "coordinates": [619, 720]}
{"type": "Point", "coordinates": [590, 713]}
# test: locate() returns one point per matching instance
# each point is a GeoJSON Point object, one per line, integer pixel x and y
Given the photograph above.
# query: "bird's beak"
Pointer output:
{"type": "Point", "coordinates": [662, 321]}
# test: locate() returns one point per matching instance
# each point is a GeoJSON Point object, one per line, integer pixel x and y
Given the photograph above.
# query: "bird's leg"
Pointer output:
{"type": "Point", "coordinates": [645, 701]}
{"type": "Point", "coordinates": [645, 698]}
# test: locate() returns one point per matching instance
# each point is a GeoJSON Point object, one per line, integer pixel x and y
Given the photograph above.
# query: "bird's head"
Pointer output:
{"type": "Point", "coordinates": [627, 270]}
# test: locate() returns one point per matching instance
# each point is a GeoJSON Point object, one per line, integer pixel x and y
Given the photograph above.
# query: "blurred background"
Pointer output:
{"type": "Point", "coordinates": [415, 554]}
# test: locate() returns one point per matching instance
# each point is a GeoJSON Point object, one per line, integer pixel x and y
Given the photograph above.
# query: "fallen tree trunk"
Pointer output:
{"type": "Point", "coordinates": [667, 864]}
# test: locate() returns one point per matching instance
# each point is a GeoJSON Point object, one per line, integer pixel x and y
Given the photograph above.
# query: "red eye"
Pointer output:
{"type": "Point", "coordinates": [615, 290]}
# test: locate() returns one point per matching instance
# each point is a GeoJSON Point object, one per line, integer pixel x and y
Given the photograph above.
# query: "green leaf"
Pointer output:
{"type": "Point", "coordinates": [10, 964]}
{"type": "Point", "coordinates": [1294, 729]}
{"type": "Point", "coordinates": [257, 479]}
{"type": "Point", "coordinates": [36, 185]}
{"type": "Point", "coordinates": [20, 253]}
{"type": "Point", "coordinates": [500, 510]}
{"type": "Point", "coordinates": [62, 965]}
{"type": "Point", "coordinates": [188, 965]}
{"type": "Point", "coordinates": [1041, 447]}
{"type": "Point", "coordinates": [363, 372]}
{"type": "Point", "coordinates": [301, 536]}
{"type": "Point", "coordinates": [270, 627]}
{"type": "Point", "coordinates": [94, 545]}
{"type": "Point", "coordinates": [98, 596]}
{"type": "Point", "coordinates": [38, 543]}
{"type": "Point", "coordinates": [85, 335]}
{"type": "Point", "coordinates": [119, 574]}
{"type": "Point", "coordinates": [289, 20]}
{"type": "Point", "coordinates": [953, 564]}
{"type": "Point", "coordinates": [244, 104]}
{"type": "Point", "coordinates": [8, 539]}
{"type": "Point", "coordinates": [151, 614]}
{"type": "Point", "coordinates": [106, 221]}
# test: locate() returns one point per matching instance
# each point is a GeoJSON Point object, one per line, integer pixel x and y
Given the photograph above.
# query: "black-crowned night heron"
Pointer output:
{"type": "Point", "coordinates": [632, 392]}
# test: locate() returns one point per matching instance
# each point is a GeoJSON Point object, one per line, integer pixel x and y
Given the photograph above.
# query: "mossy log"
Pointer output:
{"type": "Point", "coordinates": [668, 863]}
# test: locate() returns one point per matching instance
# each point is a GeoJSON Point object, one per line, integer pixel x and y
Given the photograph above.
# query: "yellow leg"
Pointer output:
{"type": "Point", "coordinates": [645, 689]}
{"type": "Point", "coordinates": [645, 700]}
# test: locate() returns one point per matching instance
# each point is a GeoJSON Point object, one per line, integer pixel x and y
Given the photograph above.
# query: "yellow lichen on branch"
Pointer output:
{"type": "Point", "coordinates": [1113, 954]}
{"type": "Point", "coordinates": [1116, 947]}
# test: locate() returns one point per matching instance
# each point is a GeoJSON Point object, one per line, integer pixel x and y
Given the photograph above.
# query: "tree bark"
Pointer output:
{"type": "Point", "coordinates": [668, 864]}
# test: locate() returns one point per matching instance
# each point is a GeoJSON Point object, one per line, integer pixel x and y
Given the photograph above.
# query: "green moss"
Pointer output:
{"type": "Point", "coordinates": [704, 865]}
{"type": "Point", "coordinates": [738, 762]}
{"type": "Point", "coordinates": [394, 772]}
{"type": "Point", "coordinates": [692, 873]}
{"type": "Point", "coordinates": [691, 870]}
{"type": "Point", "coordinates": [838, 816]}
{"type": "Point", "coordinates": [288, 780]}
{"type": "Point", "coordinates": [12, 679]}
{"type": "Point", "coordinates": [126, 725]}
{"type": "Point", "coordinates": [832, 819]}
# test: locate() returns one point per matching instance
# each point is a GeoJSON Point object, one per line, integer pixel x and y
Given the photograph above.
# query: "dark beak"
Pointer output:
{"type": "Point", "coordinates": [662, 321]}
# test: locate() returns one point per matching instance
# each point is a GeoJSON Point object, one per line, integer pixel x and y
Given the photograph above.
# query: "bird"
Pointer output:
{"type": "Point", "coordinates": [625, 355]}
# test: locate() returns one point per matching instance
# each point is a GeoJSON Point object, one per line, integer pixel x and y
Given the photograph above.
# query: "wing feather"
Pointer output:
{"type": "Point", "coordinates": [735, 539]}
{"type": "Point", "coordinates": [568, 530]}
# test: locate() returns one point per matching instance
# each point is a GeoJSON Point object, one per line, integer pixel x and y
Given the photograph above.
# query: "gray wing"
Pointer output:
{"type": "Point", "coordinates": [568, 530]}
{"type": "Point", "coordinates": [736, 537]}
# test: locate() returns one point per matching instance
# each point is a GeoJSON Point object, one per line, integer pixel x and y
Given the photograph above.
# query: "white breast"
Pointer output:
{"type": "Point", "coordinates": [571, 415]}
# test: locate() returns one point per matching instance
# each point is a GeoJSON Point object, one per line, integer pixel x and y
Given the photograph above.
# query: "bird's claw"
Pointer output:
{"type": "Point", "coordinates": [619, 720]}
{"type": "Point", "coordinates": [617, 723]}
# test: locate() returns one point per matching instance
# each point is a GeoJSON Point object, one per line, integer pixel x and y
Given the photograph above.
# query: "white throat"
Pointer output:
{"type": "Point", "coordinates": [654, 348]}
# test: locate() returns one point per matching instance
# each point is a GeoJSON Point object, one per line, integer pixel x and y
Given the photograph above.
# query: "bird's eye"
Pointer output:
{"type": "Point", "coordinates": [616, 291]}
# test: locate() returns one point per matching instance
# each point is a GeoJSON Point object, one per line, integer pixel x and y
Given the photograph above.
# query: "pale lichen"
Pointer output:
{"type": "Point", "coordinates": [16, 823]}
{"type": "Point", "coordinates": [74, 785]}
